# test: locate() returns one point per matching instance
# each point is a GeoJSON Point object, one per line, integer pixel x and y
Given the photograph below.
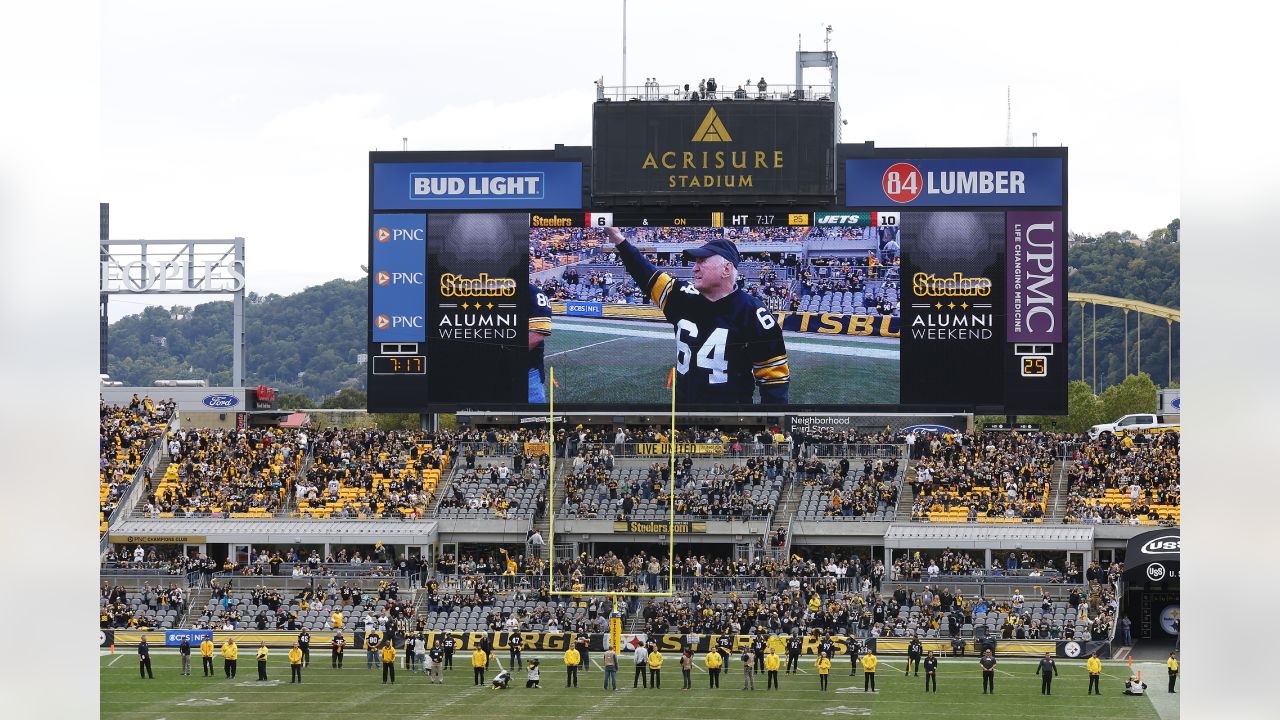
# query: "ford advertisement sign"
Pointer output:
{"type": "Point", "coordinates": [221, 402]}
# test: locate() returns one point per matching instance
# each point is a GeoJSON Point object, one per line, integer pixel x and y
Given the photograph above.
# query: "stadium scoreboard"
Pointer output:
{"type": "Point", "coordinates": [920, 279]}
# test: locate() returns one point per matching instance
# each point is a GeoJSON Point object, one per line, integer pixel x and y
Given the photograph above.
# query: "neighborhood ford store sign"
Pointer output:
{"type": "Point", "coordinates": [221, 402]}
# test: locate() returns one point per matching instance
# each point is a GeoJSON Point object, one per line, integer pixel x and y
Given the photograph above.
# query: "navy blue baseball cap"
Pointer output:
{"type": "Point", "coordinates": [720, 246]}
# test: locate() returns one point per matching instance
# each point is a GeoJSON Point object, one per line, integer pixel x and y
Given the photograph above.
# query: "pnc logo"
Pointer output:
{"type": "Point", "coordinates": [384, 235]}
{"type": "Point", "coordinates": [382, 278]}
{"type": "Point", "coordinates": [711, 129]}
{"type": "Point", "coordinates": [901, 182]}
{"type": "Point", "coordinates": [382, 322]}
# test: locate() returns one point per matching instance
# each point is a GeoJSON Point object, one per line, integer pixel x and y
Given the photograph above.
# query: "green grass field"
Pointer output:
{"type": "Point", "coordinates": [597, 365]}
{"type": "Point", "coordinates": [356, 690]}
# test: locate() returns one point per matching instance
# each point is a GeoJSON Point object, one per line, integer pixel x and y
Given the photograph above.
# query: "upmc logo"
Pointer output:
{"type": "Point", "coordinates": [385, 278]}
{"type": "Point", "coordinates": [1163, 545]}
{"type": "Point", "coordinates": [406, 234]}
{"type": "Point", "coordinates": [901, 182]}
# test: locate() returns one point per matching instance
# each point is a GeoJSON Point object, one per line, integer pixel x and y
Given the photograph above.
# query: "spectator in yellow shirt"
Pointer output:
{"type": "Point", "coordinates": [262, 661]}
{"type": "Point", "coordinates": [771, 664]}
{"type": "Point", "coordinates": [823, 663]}
{"type": "Point", "coordinates": [229, 655]}
{"type": "Point", "coordinates": [206, 656]}
{"type": "Point", "coordinates": [1094, 666]}
{"type": "Point", "coordinates": [572, 659]}
{"type": "Point", "coordinates": [869, 672]}
{"type": "Point", "coordinates": [655, 669]}
{"type": "Point", "coordinates": [388, 662]}
{"type": "Point", "coordinates": [295, 664]}
{"type": "Point", "coordinates": [714, 661]}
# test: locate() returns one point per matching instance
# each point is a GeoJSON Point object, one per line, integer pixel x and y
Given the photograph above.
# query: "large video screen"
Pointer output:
{"type": "Point", "coordinates": [791, 311]}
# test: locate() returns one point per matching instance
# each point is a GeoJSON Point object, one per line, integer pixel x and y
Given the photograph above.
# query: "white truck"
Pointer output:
{"type": "Point", "coordinates": [1139, 422]}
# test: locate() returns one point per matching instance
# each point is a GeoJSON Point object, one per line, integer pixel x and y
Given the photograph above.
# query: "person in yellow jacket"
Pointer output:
{"type": "Point", "coordinates": [714, 661]}
{"type": "Point", "coordinates": [771, 664]}
{"type": "Point", "coordinates": [823, 663]}
{"type": "Point", "coordinates": [1094, 665]}
{"type": "Point", "coordinates": [655, 669]}
{"type": "Point", "coordinates": [263, 652]}
{"type": "Point", "coordinates": [206, 656]}
{"type": "Point", "coordinates": [1173, 666]}
{"type": "Point", "coordinates": [388, 662]}
{"type": "Point", "coordinates": [572, 659]}
{"type": "Point", "coordinates": [478, 661]}
{"type": "Point", "coordinates": [230, 653]}
{"type": "Point", "coordinates": [337, 620]}
{"type": "Point", "coordinates": [295, 664]}
{"type": "Point", "coordinates": [869, 672]}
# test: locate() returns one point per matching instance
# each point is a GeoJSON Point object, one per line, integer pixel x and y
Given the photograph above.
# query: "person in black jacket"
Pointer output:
{"type": "Point", "coordinates": [931, 672]}
{"type": "Point", "coordinates": [144, 660]}
{"type": "Point", "coordinates": [304, 644]}
{"type": "Point", "coordinates": [988, 663]}
{"type": "Point", "coordinates": [794, 643]}
{"type": "Point", "coordinates": [914, 651]}
{"type": "Point", "coordinates": [486, 645]}
{"type": "Point", "coordinates": [515, 645]}
{"type": "Point", "coordinates": [1047, 670]}
{"type": "Point", "coordinates": [853, 656]}
{"type": "Point", "coordinates": [450, 644]}
{"type": "Point", "coordinates": [184, 650]}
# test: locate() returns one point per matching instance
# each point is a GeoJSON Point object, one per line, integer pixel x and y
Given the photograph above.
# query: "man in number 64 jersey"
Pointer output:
{"type": "Point", "coordinates": [727, 342]}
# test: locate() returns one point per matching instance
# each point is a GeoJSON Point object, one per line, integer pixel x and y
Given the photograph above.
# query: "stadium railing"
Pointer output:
{"type": "Point", "coordinates": [717, 449]}
{"type": "Point", "coordinates": [137, 487]}
{"type": "Point", "coordinates": [860, 450]}
{"type": "Point", "coordinates": [675, 93]}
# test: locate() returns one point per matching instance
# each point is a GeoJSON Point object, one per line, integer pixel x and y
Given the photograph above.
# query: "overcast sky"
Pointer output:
{"type": "Point", "coordinates": [254, 119]}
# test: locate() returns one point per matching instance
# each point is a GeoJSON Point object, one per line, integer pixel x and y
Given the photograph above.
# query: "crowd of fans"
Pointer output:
{"type": "Point", "coordinates": [249, 470]}
{"type": "Point", "coordinates": [124, 434]}
{"type": "Point", "coordinates": [594, 488]}
{"type": "Point", "coordinates": [968, 476]}
{"type": "Point", "coordinates": [1128, 480]}
{"type": "Point", "coordinates": [145, 608]}
{"type": "Point", "coordinates": [368, 472]}
{"type": "Point", "coordinates": [851, 492]}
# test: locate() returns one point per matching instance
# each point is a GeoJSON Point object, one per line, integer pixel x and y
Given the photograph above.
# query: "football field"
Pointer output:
{"type": "Point", "coordinates": [356, 690]}
{"type": "Point", "coordinates": [621, 361]}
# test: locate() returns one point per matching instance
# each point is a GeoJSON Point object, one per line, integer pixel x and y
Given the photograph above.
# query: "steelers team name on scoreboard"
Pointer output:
{"type": "Point", "coordinates": [725, 218]}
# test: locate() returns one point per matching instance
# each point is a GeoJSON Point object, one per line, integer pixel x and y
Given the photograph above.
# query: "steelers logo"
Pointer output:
{"type": "Point", "coordinates": [1072, 649]}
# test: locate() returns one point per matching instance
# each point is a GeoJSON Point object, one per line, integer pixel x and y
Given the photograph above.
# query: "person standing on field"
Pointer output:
{"type": "Point", "coordinates": [642, 664]}
{"type": "Point", "coordinates": [686, 668]}
{"type": "Point", "coordinates": [1094, 666]}
{"type": "Point", "coordinates": [655, 669]}
{"type": "Point", "coordinates": [748, 670]}
{"type": "Point", "coordinates": [930, 672]}
{"type": "Point", "coordinates": [295, 664]}
{"type": "Point", "coordinates": [388, 661]}
{"type": "Point", "coordinates": [988, 663]}
{"type": "Point", "coordinates": [1047, 670]}
{"type": "Point", "coordinates": [771, 663]}
{"type": "Point", "coordinates": [610, 663]}
{"type": "Point", "coordinates": [1173, 666]}
{"type": "Point", "coordinates": [823, 663]}
{"type": "Point", "coordinates": [184, 650]}
{"type": "Point", "coordinates": [263, 652]}
{"type": "Point", "coordinates": [571, 660]}
{"type": "Point", "coordinates": [869, 671]}
{"type": "Point", "coordinates": [144, 660]}
{"type": "Point", "coordinates": [338, 644]}
{"type": "Point", "coordinates": [206, 655]}
{"type": "Point", "coordinates": [478, 661]}
{"type": "Point", "coordinates": [714, 661]}
{"type": "Point", "coordinates": [230, 654]}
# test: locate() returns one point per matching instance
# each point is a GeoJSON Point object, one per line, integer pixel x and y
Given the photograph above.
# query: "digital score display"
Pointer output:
{"type": "Point", "coordinates": [399, 365]}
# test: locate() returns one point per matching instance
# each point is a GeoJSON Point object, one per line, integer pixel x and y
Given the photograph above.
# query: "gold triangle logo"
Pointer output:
{"type": "Point", "coordinates": [711, 129]}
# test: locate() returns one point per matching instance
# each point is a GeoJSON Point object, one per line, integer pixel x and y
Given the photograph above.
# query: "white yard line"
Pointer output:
{"type": "Point", "coordinates": [584, 347]}
{"type": "Point", "coordinates": [114, 660]}
{"type": "Point", "coordinates": [792, 345]}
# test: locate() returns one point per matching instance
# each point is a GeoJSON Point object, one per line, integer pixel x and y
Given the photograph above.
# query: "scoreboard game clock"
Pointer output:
{"type": "Point", "coordinates": [399, 365]}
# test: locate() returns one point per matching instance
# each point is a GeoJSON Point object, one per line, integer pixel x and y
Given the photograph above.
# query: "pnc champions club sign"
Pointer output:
{"type": "Point", "coordinates": [690, 150]}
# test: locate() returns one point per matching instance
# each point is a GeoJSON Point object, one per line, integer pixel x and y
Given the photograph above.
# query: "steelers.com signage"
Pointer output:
{"type": "Point", "coordinates": [766, 151]}
{"type": "Point", "coordinates": [954, 182]}
{"type": "Point", "coordinates": [477, 186]}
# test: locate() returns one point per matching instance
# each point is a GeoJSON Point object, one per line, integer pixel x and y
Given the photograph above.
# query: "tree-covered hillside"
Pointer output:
{"type": "Point", "coordinates": [1117, 264]}
{"type": "Point", "coordinates": [307, 342]}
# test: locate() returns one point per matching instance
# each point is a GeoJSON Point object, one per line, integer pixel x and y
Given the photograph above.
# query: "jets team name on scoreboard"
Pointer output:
{"type": "Point", "coordinates": [966, 182]}
{"type": "Point", "coordinates": [857, 219]}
